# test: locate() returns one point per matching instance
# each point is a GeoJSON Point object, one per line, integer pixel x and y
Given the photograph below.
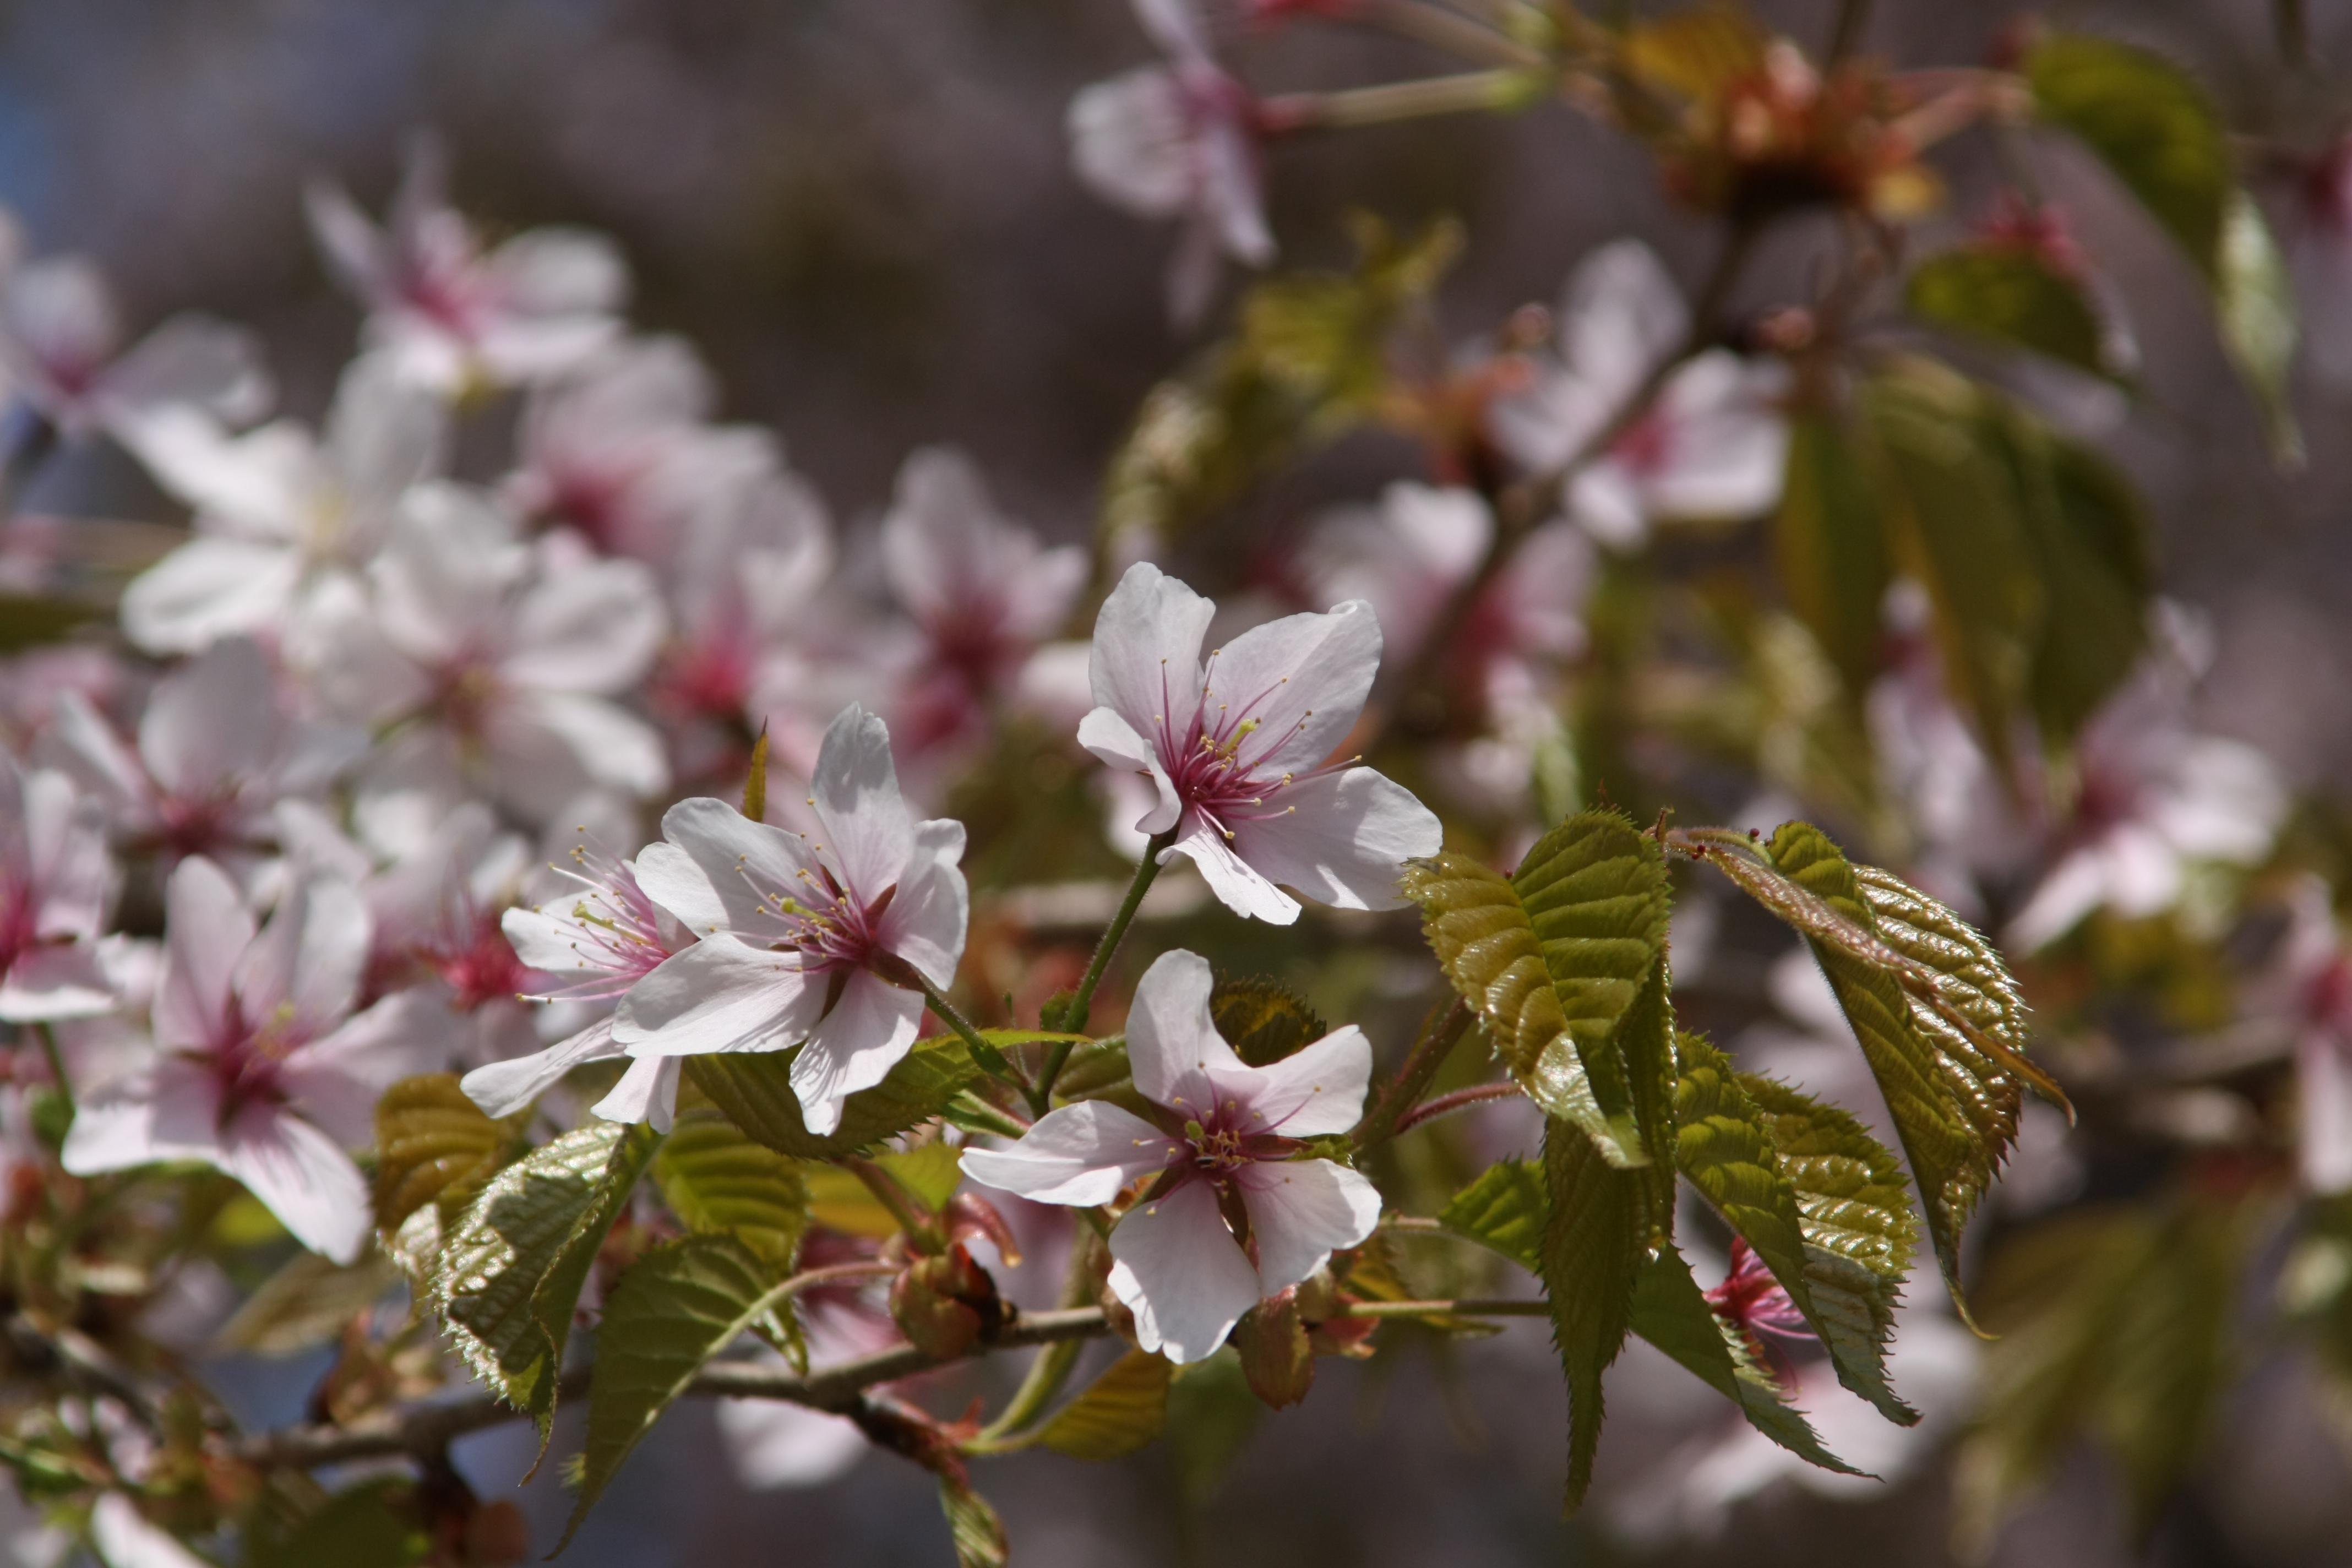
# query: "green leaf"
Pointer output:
{"type": "Point", "coordinates": [1212, 1416]}
{"type": "Point", "coordinates": [2159, 134]}
{"type": "Point", "coordinates": [972, 1525]}
{"type": "Point", "coordinates": [1121, 1411]}
{"type": "Point", "coordinates": [1858, 1227]}
{"type": "Point", "coordinates": [931, 1172]}
{"type": "Point", "coordinates": [306, 1303]}
{"type": "Point", "coordinates": [755, 1092]}
{"type": "Point", "coordinates": [434, 1145]}
{"type": "Point", "coordinates": [755, 781]}
{"type": "Point", "coordinates": [1551, 961]}
{"type": "Point", "coordinates": [1503, 1209]}
{"type": "Point", "coordinates": [2011, 296]}
{"type": "Point", "coordinates": [677, 1307]}
{"type": "Point", "coordinates": [1264, 1020]}
{"type": "Point", "coordinates": [29, 622]}
{"type": "Point", "coordinates": [1670, 1311]}
{"type": "Point", "coordinates": [511, 1270]}
{"type": "Point", "coordinates": [1831, 546]}
{"type": "Point", "coordinates": [370, 1525]}
{"type": "Point", "coordinates": [716, 1179]}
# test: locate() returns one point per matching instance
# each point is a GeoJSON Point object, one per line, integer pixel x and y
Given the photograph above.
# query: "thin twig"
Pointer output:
{"type": "Point", "coordinates": [1468, 1307]}
{"type": "Point", "coordinates": [1446, 1025]}
{"type": "Point", "coordinates": [1460, 1100]}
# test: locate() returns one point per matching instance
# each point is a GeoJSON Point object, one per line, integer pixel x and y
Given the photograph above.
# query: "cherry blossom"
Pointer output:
{"type": "Point", "coordinates": [2309, 985]}
{"type": "Point", "coordinates": [449, 313]}
{"type": "Point", "coordinates": [56, 881]}
{"type": "Point", "coordinates": [606, 932]}
{"type": "Point", "coordinates": [804, 942]}
{"type": "Point", "coordinates": [2152, 798]}
{"type": "Point", "coordinates": [1712, 442]}
{"type": "Point", "coordinates": [617, 450]}
{"type": "Point", "coordinates": [984, 595]}
{"type": "Point", "coordinates": [1222, 1142]}
{"type": "Point", "coordinates": [262, 1070]}
{"type": "Point", "coordinates": [496, 662]}
{"type": "Point", "coordinates": [1178, 140]}
{"type": "Point", "coordinates": [217, 749]}
{"type": "Point", "coordinates": [279, 510]}
{"type": "Point", "coordinates": [62, 341]}
{"type": "Point", "coordinates": [1236, 748]}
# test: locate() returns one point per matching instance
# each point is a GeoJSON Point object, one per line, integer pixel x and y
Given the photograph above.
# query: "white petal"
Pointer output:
{"type": "Point", "coordinates": [1344, 839]}
{"type": "Point", "coordinates": [1621, 315]}
{"type": "Point", "coordinates": [307, 964]}
{"type": "Point", "coordinates": [384, 436]}
{"type": "Point", "coordinates": [553, 270]}
{"type": "Point", "coordinates": [2072, 888]}
{"type": "Point", "coordinates": [1130, 142]}
{"type": "Point", "coordinates": [1300, 1212]}
{"type": "Point", "coordinates": [718, 995]}
{"type": "Point", "coordinates": [504, 1087]}
{"type": "Point", "coordinates": [1727, 443]}
{"type": "Point", "coordinates": [56, 981]}
{"type": "Point", "coordinates": [300, 1175]}
{"type": "Point", "coordinates": [125, 1540]}
{"type": "Point", "coordinates": [2323, 1097]}
{"type": "Point", "coordinates": [926, 921]}
{"type": "Point", "coordinates": [1317, 1091]}
{"type": "Point", "coordinates": [672, 879]}
{"type": "Point", "coordinates": [1241, 888]}
{"type": "Point", "coordinates": [1301, 679]}
{"type": "Point", "coordinates": [867, 1033]}
{"type": "Point", "coordinates": [613, 747]}
{"type": "Point", "coordinates": [855, 795]}
{"type": "Point", "coordinates": [1114, 740]}
{"type": "Point", "coordinates": [71, 874]}
{"type": "Point", "coordinates": [214, 365]}
{"type": "Point", "coordinates": [208, 589]}
{"type": "Point", "coordinates": [1146, 649]}
{"type": "Point", "coordinates": [646, 1092]}
{"type": "Point", "coordinates": [741, 861]}
{"type": "Point", "coordinates": [1173, 1044]}
{"type": "Point", "coordinates": [87, 748]}
{"type": "Point", "coordinates": [206, 928]}
{"type": "Point", "coordinates": [774, 1443]}
{"type": "Point", "coordinates": [1606, 501]}
{"type": "Point", "coordinates": [1182, 1273]}
{"type": "Point", "coordinates": [169, 1113]}
{"type": "Point", "coordinates": [592, 628]}
{"type": "Point", "coordinates": [1081, 1155]}
{"type": "Point", "coordinates": [334, 1082]}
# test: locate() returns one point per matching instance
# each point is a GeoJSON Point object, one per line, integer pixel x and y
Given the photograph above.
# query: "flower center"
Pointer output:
{"type": "Point", "coordinates": [479, 966]}
{"type": "Point", "coordinates": [826, 923]}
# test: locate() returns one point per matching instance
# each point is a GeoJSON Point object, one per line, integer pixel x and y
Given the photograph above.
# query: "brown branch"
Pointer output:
{"type": "Point", "coordinates": [424, 1430]}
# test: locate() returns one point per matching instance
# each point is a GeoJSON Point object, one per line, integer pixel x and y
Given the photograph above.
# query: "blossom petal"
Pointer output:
{"type": "Point", "coordinates": [336, 1081]}
{"type": "Point", "coordinates": [1173, 1044]}
{"type": "Point", "coordinates": [125, 1538]}
{"type": "Point", "coordinates": [1315, 1092]}
{"type": "Point", "coordinates": [167, 1114]}
{"type": "Point", "coordinates": [1621, 315]}
{"type": "Point", "coordinates": [926, 922]}
{"type": "Point", "coordinates": [718, 995]}
{"type": "Point", "coordinates": [612, 746]}
{"type": "Point", "coordinates": [1130, 142]}
{"type": "Point", "coordinates": [1344, 841]}
{"type": "Point", "coordinates": [300, 1176]}
{"type": "Point", "coordinates": [646, 1092]}
{"type": "Point", "coordinates": [738, 858]}
{"type": "Point", "coordinates": [1241, 886]}
{"type": "Point", "coordinates": [855, 795]}
{"type": "Point", "coordinates": [1080, 1154]}
{"type": "Point", "coordinates": [504, 1087]}
{"type": "Point", "coordinates": [308, 960]}
{"type": "Point", "coordinates": [210, 588]}
{"type": "Point", "coordinates": [592, 628]}
{"type": "Point", "coordinates": [55, 981]}
{"type": "Point", "coordinates": [670, 877]}
{"type": "Point", "coordinates": [868, 1032]}
{"type": "Point", "coordinates": [1146, 649]}
{"type": "Point", "coordinates": [1182, 1273]}
{"type": "Point", "coordinates": [206, 928]}
{"type": "Point", "coordinates": [2323, 1097]}
{"type": "Point", "coordinates": [1302, 680]}
{"type": "Point", "coordinates": [1300, 1212]}
{"type": "Point", "coordinates": [1114, 740]}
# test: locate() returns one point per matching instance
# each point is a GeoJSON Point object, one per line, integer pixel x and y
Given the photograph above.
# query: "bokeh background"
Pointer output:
{"type": "Point", "coordinates": [862, 215]}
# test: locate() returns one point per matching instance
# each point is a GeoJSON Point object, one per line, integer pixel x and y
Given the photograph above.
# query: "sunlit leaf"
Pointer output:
{"type": "Point", "coordinates": [1504, 1209]}
{"type": "Point", "coordinates": [977, 1532]}
{"type": "Point", "coordinates": [434, 1145]}
{"type": "Point", "coordinates": [1264, 1020]}
{"type": "Point", "coordinates": [716, 1179]}
{"type": "Point", "coordinates": [1120, 1412]}
{"type": "Point", "coordinates": [2010, 295]}
{"type": "Point", "coordinates": [755, 1092]}
{"type": "Point", "coordinates": [1831, 546]}
{"type": "Point", "coordinates": [373, 1524]}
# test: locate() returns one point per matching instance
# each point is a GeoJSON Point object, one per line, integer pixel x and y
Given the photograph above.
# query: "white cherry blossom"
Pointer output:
{"type": "Point", "coordinates": [1178, 140]}
{"type": "Point", "coordinates": [218, 746]}
{"type": "Point", "coordinates": [798, 933]}
{"type": "Point", "coordinates": [451, 312]}
{"type": "Point", "coordinates": [279, 510]}
{"type": "Point", "coordinates": [262, 1070]}
{"type": "Point", "coordinates": [1712, 443]}
{"type": "Point", "coordinates": [1224, 1139]}
{"type": "Point", "coordinates": [2308, 988]}
{"type": "Point", "coordinates": [1238, 748]}
{"type": "Point", "coordinates": [56, 881]}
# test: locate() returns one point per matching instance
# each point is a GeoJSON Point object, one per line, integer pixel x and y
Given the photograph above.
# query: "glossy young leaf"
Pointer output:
{"type": "Point", "coordinates": [1121, 1411]}
{"type": "Point", "coordinates": [373, 1524]}
{"type": "Point", "coordinates": [973, 1527]}
{"type": "Point", "coordinates": [2011, 296]}
{"type": "Point", "coordinates": [1503, 1209]}
{"type": "Point", "coordinates": [1264, 1020]}
{"type": "Point", "coordinates": [755, 1092]}
{"type": "Point", "coordinates": [1831, 547]}
{"type": "Point", "coordinates": [434, 1145]}
{"type": "Point", "coordinates": [716, 1179]}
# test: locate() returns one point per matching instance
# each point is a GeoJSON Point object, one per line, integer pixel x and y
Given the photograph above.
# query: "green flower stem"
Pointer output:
{"type": "Point", "coordinates": [991, 1060]}
{"type": "Point", "coordinates": [1073, 1016]}
{"type": "Point", "coordinates": [1053, 1364]}
{"type": "Point", "coordinates": [1448, 30]}
{"type": "Point", "coordinates": [1447, 1026]}
{"type": "Point", "coordinates": [972, 1108]}
{"type": "Point", "coordinates": [1467, 1307]}
{"type": "Point", "coordinates": [57, 1062]}
{"type": "Point", "coordinates": [1469, 92]}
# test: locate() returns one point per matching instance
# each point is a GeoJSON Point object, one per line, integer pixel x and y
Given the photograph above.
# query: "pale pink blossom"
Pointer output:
{"type": "Point", "coordinates": [262, 1070]}
{"type": "Point", "coordinates": [218, 746]}
{"type": "Point", "coordinates": [1238, 748]}
{"type": "Point", "coordinates": [2308, 987]}
{"type": "Point", "coordinates": [451, 312]}
{"type": "Point", "coordinates": [798, 934]}
{"type": "Point", "coordinates": [1224, 1137]}
{"type": "Point", "coordinates": [494, 665]}
{"type": "Point", "coordinates": [1178, 140]}
{"type": "Point", "coordinates": [62, 341]}
{"type": "Point", "coordinates": [56, 881]}
{"type": "Point", "coordinates": [2152, 799]}
{"type": "Point", "coordinates": [984, 593]}
{"type": "Point", "coordinates": [618, 451]}
{"type": "Point", "coordinates": [280, 511]}
{"type": "Point", "coordinates": [1711, 443]}
{"type": "Point", "coordinates": [602, 937]}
